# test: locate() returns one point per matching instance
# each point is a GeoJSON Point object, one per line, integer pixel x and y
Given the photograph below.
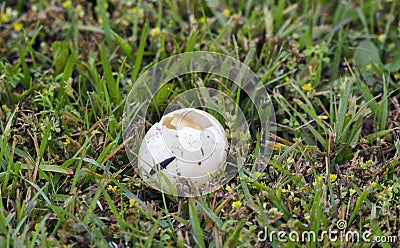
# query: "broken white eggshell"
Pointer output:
{"type": "Point", "coordinates": [197, 141]}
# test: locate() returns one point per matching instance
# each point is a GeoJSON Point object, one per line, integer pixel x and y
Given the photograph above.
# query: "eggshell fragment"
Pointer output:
{"type": "Point", "coordinates": [194, 137]}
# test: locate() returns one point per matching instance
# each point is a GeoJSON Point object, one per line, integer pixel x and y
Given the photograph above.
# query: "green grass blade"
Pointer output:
{"type": "Point", "coordinates": [140, 52]}
{"type": "Point", "coordinates": [45, 139]}
{"type": "Point", "coordinates": [125, 46]}
{"type": "Point", "coordinates": [195, 224]}
{"type": "Point", "coordinates": [344, 101]}
{"type": "Point", "coordinates": [218, 222]}
{"type": "Point", "coordinates": [106, 23]}
{"type": "Point", "coordinates": [234, 236]}
{"type": "Point", "coordinates": [359, 203]}
{"type": "Point", "coordinates": [383, 107]}
{"type": "Point", "coordinates": [6, 134]}
{"type": "Point", "coordinates": [113, 87]}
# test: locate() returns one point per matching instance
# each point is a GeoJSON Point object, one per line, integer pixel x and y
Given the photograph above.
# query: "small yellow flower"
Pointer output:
{"type": "Point", "coordinates": [228, 188]}
{"type": "Point", "coordinates": [333, 177]}
{"type": "Point", "coordinates": [352, 191]}
{"type": "Point", "coordinates": [286, 190]}
{"type": "Point", "coordinates": [66, 4]}
{"type": "Point", "coordinates": [323, 117]}
{"type": "Point", "coordinates": [317, 180]}
{"type": "Point", "coordinates": [277, 146]}
{"type": "Point", "coordinates": [132, 202]}
{"type": "Point", "coordinates": [236, 204]}
{"type": "Point", "coordinates": [307, 87]}
{"type": "Point", "coordinates": [397, 76]}
{"type": "Point", "coordinates": [18, 26]}
{"type": "Point", "coordinates": [132, 10]}
{"type": "Point", "coordinates": [155, 32]}
{"type": "Point", "coordinates": [368, 67]}
{"type": "Point", "coordinates": [112, 188]}
{"type": "Point", "coordinates": [226, 12]}
{"type": "Point", "coordinates": [4, 18]}
{"type": "Point", "coordinates": [290, 160]}
{"type": "Point", "coordinates": [43, 128]}
{"type": "Point", "coordinates": [67, 141]}
{"type": "Point", "coordinates": [373, 184]}
{"type": "Point", "coordinates": [381, 37]}
{"type": "Point", "coordinates": [80, 11]}
{"type": "Point", "coordinates": [100, 20]}
{"type": "Point", "coordinates": [105, 4]}
{"type": "Point", "coordinates": [287, 79]}
{"type": "Point", "coordinates": [202, 19]}
{"type": "Point", "coordinates": [36, 226]}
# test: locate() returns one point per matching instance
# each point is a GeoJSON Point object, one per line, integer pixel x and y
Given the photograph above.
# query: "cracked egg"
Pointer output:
{"type": "Point", "coordinates": [188, 146]}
